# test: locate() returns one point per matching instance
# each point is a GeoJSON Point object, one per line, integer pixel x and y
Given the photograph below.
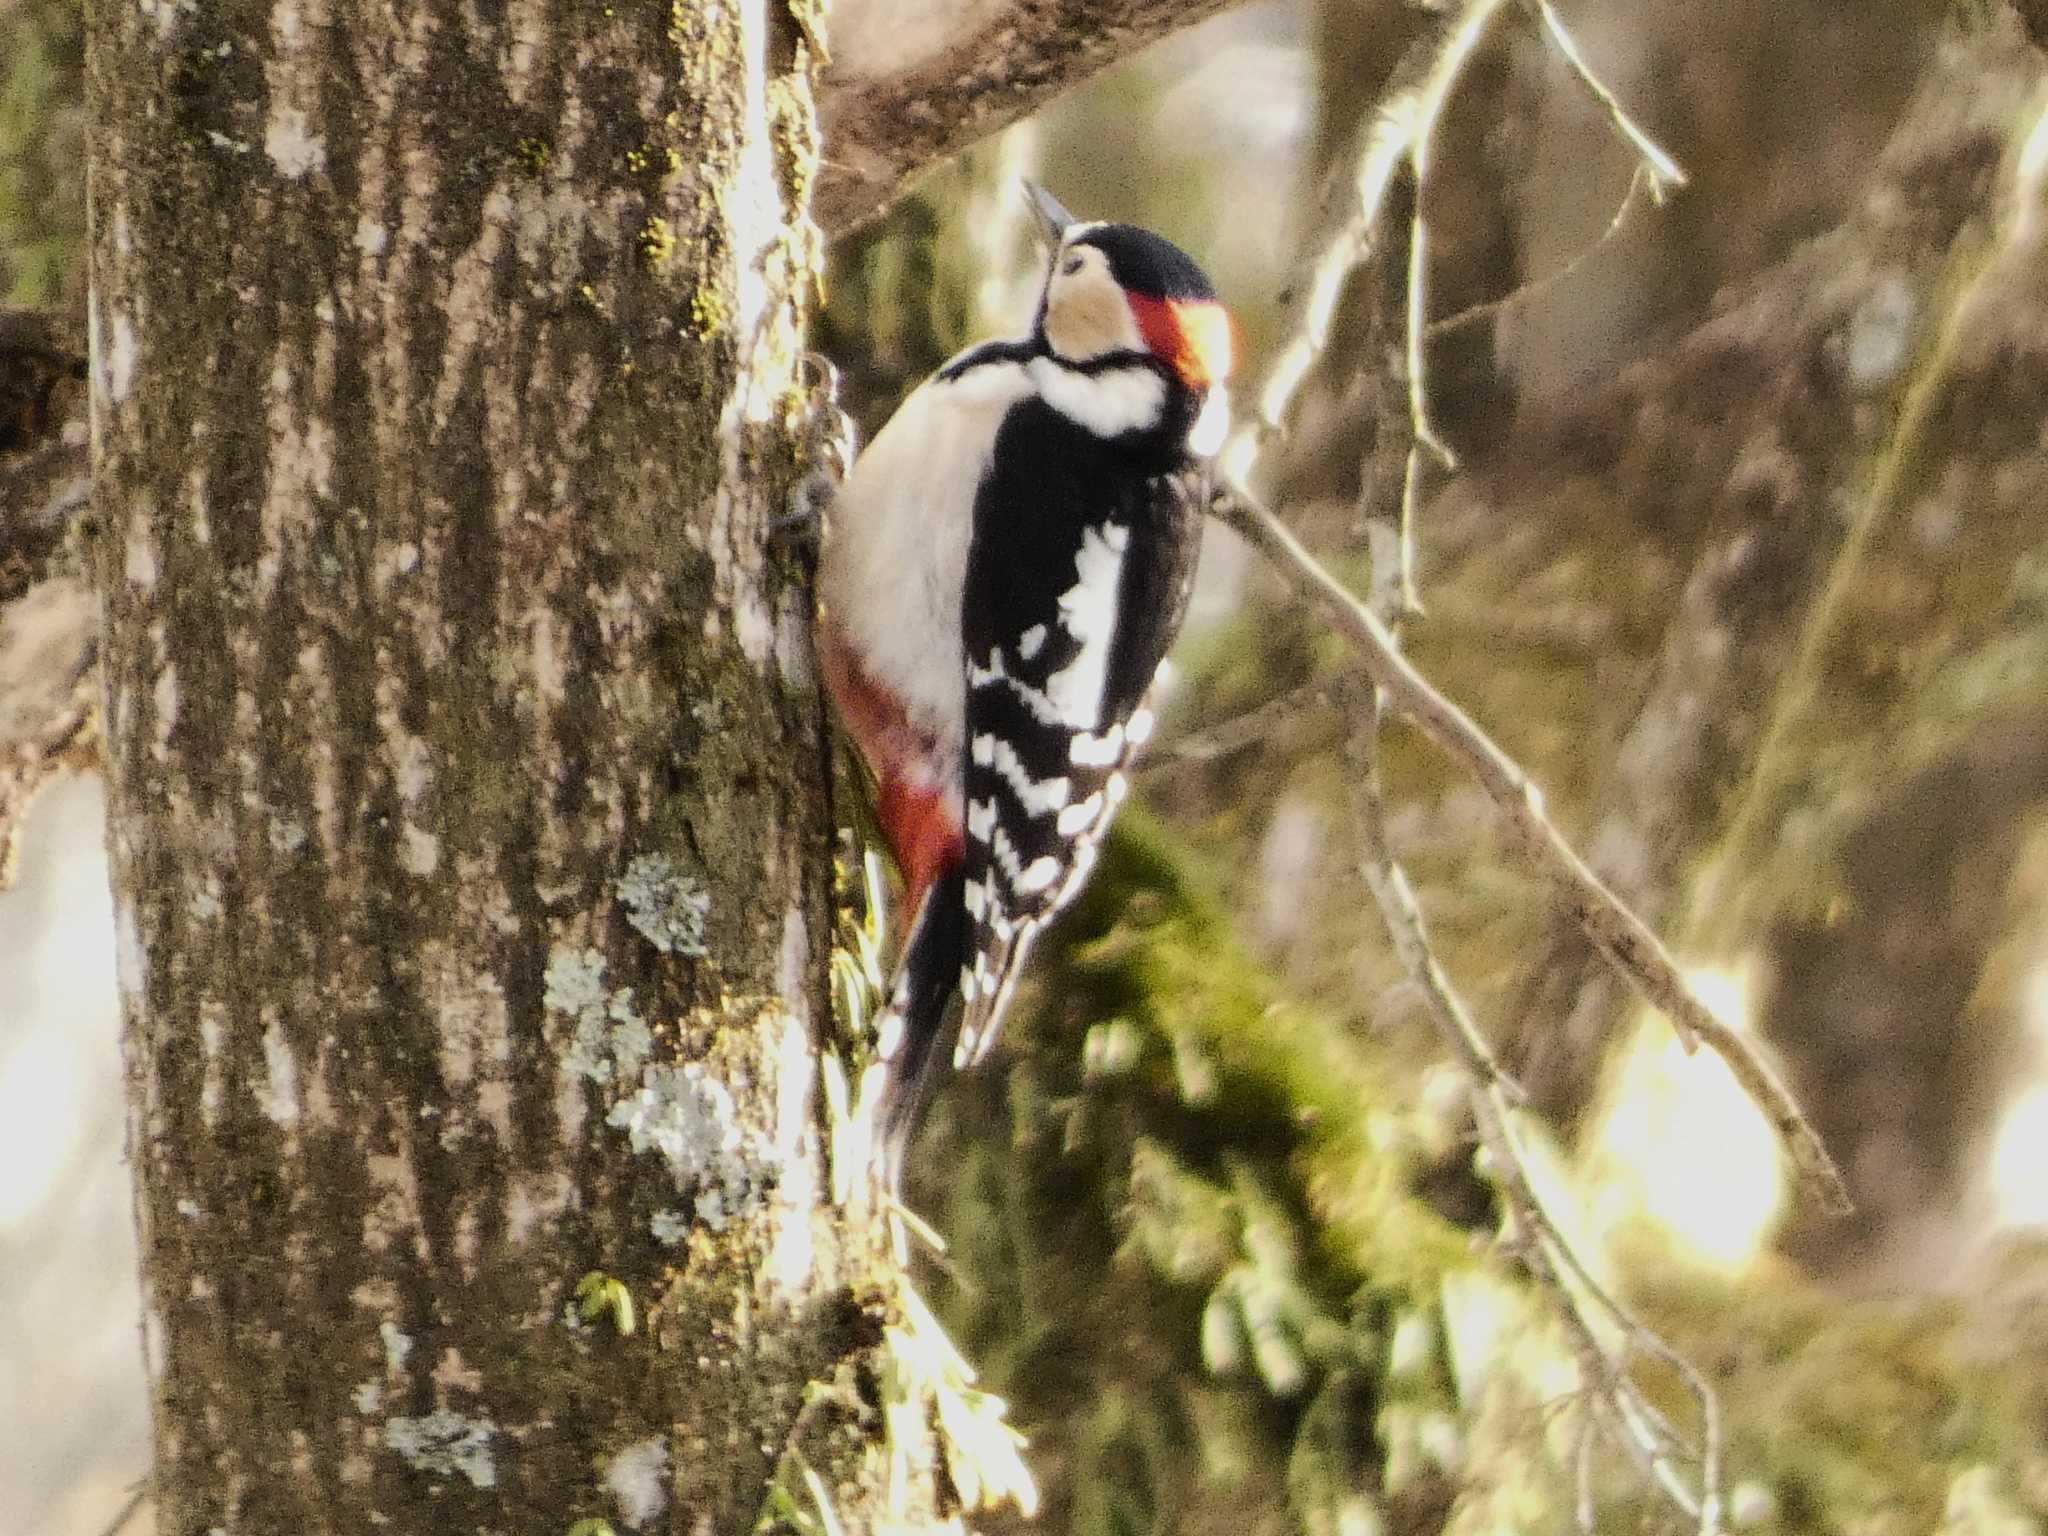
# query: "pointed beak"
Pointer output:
{"type": "Point", "coordinates": [1053, 219]}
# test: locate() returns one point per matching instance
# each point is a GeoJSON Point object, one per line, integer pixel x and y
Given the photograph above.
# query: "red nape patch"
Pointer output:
{"type": "Point", "coordinates": [1192, 336]}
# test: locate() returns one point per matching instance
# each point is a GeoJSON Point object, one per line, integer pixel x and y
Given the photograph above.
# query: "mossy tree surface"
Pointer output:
{"type": "Point", "coordinates": [470, 820]}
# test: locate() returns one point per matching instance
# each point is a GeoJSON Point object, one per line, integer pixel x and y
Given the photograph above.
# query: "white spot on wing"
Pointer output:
{"type": "Point", "coordinates": [1079, 817]}
{"type": "Point", "coordinates": [1088, 751]}
{"type": "Point", "coordinates": [1031, 642]}
{"type": "Point", "coordinates": [1138, 729]}
{"type": "Point", "coordinates": [1036, 796]}
{"type": "Point", "coordinates": [1036, 876]}
{"type": "Point", "coordinates": [981, 819]}
{"type": "Point", "coordinates": [1042, 708]}
{"type": "Point", "coordinates": [1005, 854]}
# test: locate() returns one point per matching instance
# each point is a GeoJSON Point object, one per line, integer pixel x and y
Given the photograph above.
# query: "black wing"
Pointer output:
{"type": "Point", "coordinates": [1077, 581]}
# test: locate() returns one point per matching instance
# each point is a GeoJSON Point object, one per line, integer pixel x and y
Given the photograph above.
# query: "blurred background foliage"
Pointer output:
{"type": "Point", "coordinates": [1738, 563]}
{"type": "Point", "coordinates": [42, 155]}
{"type": "Point", "coordinates": [1746, 561]}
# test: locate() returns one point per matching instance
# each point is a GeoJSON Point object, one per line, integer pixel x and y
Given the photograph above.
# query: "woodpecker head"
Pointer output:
{"type": "Point", "coordinates": [1115, 288]}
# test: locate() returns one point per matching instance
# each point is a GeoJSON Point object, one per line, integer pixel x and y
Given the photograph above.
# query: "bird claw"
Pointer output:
{"type": "Point", "coordinates": [825, 440]}
{"type": "Point", "coordinates": [808, 499]}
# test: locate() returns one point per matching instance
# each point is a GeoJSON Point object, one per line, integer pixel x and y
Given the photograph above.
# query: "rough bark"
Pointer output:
{"type": "Point", "coordinates": [912, 85]}
{"type": "Point", "coordinates": [469, 821]}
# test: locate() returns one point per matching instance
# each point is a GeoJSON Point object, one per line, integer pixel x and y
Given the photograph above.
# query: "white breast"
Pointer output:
{"type": "Point", "coordinates": [895, 557]}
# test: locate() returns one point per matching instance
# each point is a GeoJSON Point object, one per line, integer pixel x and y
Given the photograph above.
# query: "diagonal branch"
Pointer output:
{"type": "Point", "coordinates": [1620, 936]}
{"type": "Point", "coordinates": [900, 98]}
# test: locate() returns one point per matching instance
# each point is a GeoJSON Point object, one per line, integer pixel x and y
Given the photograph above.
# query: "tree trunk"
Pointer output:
{"type": "Point", "coordinates": [470, 822]}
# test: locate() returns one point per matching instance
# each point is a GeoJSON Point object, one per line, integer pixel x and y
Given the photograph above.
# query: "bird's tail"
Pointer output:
{"type": "Point", "coordinates": [914, 1040]}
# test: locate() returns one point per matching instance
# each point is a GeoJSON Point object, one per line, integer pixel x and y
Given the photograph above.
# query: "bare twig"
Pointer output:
{"type": "Point", "coordinates": [1578, 1298]}
{"type": "Point", "coordinates": [1239, 731]}
{"type": "Point", "coordinates": [136, 1498]}
{"type": "Point", "coordinates": [1582, 1465]}
{"type": "Point", "coordinates": [1404, 535]}
{"type": "Point", "coordinates": [1665, 175]}
{"type": "Point", "coordinates": [1640, 179]}
{"type": "Point", "coordinates": [1619, 935]}
{"type": "Point", "coordinates": [1389, 885]}
{"type": "Point", "coordinates": [1404, 138]}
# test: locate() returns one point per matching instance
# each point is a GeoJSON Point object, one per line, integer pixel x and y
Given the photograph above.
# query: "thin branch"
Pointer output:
{"type": "Point", "coordinates": [1404, 136]}
{"type": "Point", "coordinates": [1639, 179]}
{"type": "Point", "coordinates": [1617, 933]}
{"type": "Point", "coordinates": [1609, 1390]}
{"type": "Point", "coordinates": [1646, 1430]}
{"type": "Point", "coordinates": [1582, 1462]}
{"type": "Point", "coordinates": [1603, 1332]}
{"type": "Point", "coordinates": [136, 1497]}
{"type": "Point", "coordinates": [1403, 918]}
{"type": "Point", "coordinates": [1240, 731]}
{"type": "Point", "coordinates": [1545, 1251]}
{"type": "Point", "coordinates": [1664, 171]}
{"type": "Point", "coordinates": [1404, 535]}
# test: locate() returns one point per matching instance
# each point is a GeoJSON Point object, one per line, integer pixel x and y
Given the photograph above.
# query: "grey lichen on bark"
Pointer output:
{"type": "Point", "coordinates": [469, 819]}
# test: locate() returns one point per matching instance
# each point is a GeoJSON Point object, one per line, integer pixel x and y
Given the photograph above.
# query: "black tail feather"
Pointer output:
{"type": "Point", "coordinates": [925, 995]}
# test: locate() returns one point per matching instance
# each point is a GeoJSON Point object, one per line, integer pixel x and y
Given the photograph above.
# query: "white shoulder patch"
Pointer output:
{"type": "Point", "coordinates": [1109, 403]}
{"type": "Point", "coordinates": [1088, 613]}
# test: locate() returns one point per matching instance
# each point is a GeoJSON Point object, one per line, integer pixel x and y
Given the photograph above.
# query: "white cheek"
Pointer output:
{"type": "Point", "coordinates": [1087, 315]}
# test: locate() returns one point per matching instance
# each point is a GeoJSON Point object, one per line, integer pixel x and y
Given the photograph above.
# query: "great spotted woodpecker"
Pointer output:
{"type": "Point", "coordinates": [1002, 574]}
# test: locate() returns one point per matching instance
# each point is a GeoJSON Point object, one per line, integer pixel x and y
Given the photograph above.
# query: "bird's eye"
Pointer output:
{"type": "Point", "coordinates": [1071, 265]}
